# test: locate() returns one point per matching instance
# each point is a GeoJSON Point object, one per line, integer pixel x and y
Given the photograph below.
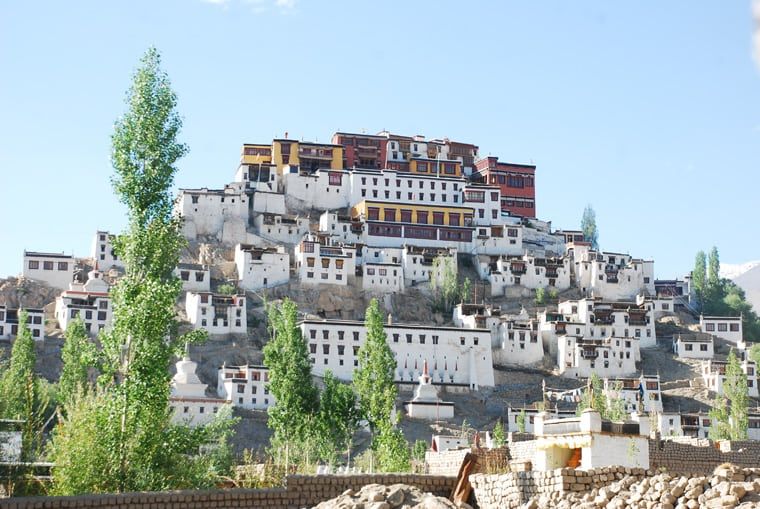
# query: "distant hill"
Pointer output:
{"type": "Point", "coordinates": [747, 276]}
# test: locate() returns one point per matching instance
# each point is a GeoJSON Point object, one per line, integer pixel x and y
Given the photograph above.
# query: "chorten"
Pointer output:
{"type": "Point", "coordinates": [426, 404]}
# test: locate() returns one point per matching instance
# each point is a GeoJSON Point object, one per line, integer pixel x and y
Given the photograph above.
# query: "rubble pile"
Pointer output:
{"type": "Point", "coordinates": [396, 496]}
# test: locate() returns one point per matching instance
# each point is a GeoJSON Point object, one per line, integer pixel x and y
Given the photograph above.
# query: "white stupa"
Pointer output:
{"type": "Point", "coordinates": [426, 403]}
{"type": "Point", "coordinates": [186, 384]}
{"type": "Point", "coordinates": [188, 395]}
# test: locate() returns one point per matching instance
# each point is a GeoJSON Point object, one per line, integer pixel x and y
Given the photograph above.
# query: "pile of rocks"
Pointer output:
{"type": "Point", "coordinates": [728, 487]}
{"type": "Point", "coordinates": [396, 496]}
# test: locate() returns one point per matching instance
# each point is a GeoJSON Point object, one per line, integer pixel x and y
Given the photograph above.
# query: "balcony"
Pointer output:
{"type": "Point", "coordinates": [518, 269]}
{"type": "Point", "coordinates": [589, 354]}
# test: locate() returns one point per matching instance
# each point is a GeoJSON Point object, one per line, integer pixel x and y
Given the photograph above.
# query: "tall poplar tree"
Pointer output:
{"type": "Point", "coordinates": [373, 379]}
{"type": "Point", "coordinates": [588, 226]}
{"type": "Point", "coordinates": [728, 417]}
{"type": "Point", "coordinates": [78, 356]}
{"type": "Point", "coordinates": [699, 278]}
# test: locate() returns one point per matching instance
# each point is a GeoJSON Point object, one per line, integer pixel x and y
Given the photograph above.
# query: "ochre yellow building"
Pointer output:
{"type": "Point", "coordinates": [411, 213]}
{"type": "Point", "coordinates": [442, 168]}
{"type": "Point", "coordinates": [282, 152]}
{"type": "Point", "coordinates": [256, 153]}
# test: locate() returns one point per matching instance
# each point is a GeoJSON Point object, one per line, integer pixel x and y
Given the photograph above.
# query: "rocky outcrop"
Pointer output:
{"type": "Point", "coordinates": [396, 496]}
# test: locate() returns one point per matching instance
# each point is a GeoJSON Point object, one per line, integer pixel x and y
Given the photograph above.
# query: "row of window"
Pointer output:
{"type": "Point", "coordinates": [88, 314]}
{"type": "Point", "coordinates": [518, 181]}
{"type": "Point", "coordinates": [184, 275]}
{"type": "Point", "coordinates": [14, 331]}
{"type": "Point", "coordinates": [444, 185]}
{"type": "Point", "coordinates": [324, 275]}
{"type": "Point", "coordinates": [47, 265]}
{"type": "Point", "coordinates": [722, 327]}
{"type": "Point", "coordinates": [410, 196]}
{"type": "Point", "coordinates": [421, 216]}
{"type": "Point", "coordinates": [325, 263]}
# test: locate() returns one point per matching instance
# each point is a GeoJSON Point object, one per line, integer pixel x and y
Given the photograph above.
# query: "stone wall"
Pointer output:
{"type": "Point", "coordinates": [447, 463]}
{"type": "Point", "coordinates": [300, 491]}
{"type": "Point", "coordinates": [700, 456]}
{"type": "Point", "coordinates": [523, 450]}
{"type": "Point", "coordinates": [512, 489]}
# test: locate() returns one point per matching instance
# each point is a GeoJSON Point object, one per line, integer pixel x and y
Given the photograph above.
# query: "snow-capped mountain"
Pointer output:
{"type": "Point", "coordinates": [747, 276]}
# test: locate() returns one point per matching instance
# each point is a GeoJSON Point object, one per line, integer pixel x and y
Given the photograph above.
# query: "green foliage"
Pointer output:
{"type": "Point", "coordinates": [588, 225]}
{"type": "Point", "coordinates": [521, 421]}
{"type": "Point", "coordinates": [24, 395]}
{"type": "Point", "coordinates": [78, 355]}
{"type": "Point", "coordinates": [373, 380]}
{"type": "Point", "coordinates": [290, 381]}
{"type": "Point", "coordinates": [540, 298]}
{"type": "Point", "coordinates": [226, 289]}
{"type": "Point", "coordinates": [419, 448]}
{"type": "Point", "coordinates": [443, 282]}
{"type": "Point", "coordinates": [699, 278]}
{"type": "Point", "coordinates": [392, 449]}
{"type": "Point", "coordinates": [498, 438]}
{"type": "Point", "coordinates": [120, 437]}
{"type": "Point", "coordinates": [610, 406]}
{"type": "Point", "coordinates": [728, 417]}
{"type": "Point", "coordinates": [339, 417]}
{"type": "Point", "coordinates": [465, 290]}
{"type": "Point", "coordinates": [553, 294]}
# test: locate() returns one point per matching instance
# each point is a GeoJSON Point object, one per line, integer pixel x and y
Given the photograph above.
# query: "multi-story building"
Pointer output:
{"type": "Point", "coordinates": [361, 150]}
{"type": "Point", "coordinates": [527, 271]}
{"type": "Point", "coordinates": [220, 214]}
{"type": "Point", "coordinates": [641, 394]}
{"type": "Point", "coordinates": [401, 150]}
{"type": "Point", "coordinates": [9, 319]}
{"type": "Point", "coordinates": [55, 269]}
{"type": "Point", "coordinates": [382, 277]}
{"type": "Point", "coordinates": [714, 376]}
{"type": "Point", "coordinates": [518, 340]}
{"type": "Point", "coordinates": [319, 260]}
{"type": "Point", "coordinates": [485, 202]}
{"type": "Point", "coordinates": [570, 236]}
{"type": "Point", "coordinates": [245, 386]}
{"type": "Point", "coordinates": [259, 267]}
{"type": "Point", "coordinates": [102, 251]}
{"type": "Point", "coordinates": [188, 399]}
{"type": "Point", "coordinates": [673, 288]}
{"type": "Point", "coordinates": [516, 181]}
{"type": "Point", "coordinates": [280, 229]}
{"type": "Point", "coordinates": [728, 328]}
{"type": "Point", "coordinates": [694, 346]}
{"type": "Point", "coordinates": [89, 301]}
{"type": "Point", "coordinates": [478, 316]}
{"type": "Point", "coordinates": [195, 277]}
{"type": "Point", "coordinates": [419, 262]}
{"type": "Point", "coordinates": [218, 314]}
{"type": "Point", "coordinates": [579, 357]}
{"type": "Point", "coordinates": [602, 319]}
{"type": "Point", "coordinates": [611, 276]}
{"type": "Point", "coordinates": [692, 424]}
{"type": "Point", "coordinates": [456, 357]}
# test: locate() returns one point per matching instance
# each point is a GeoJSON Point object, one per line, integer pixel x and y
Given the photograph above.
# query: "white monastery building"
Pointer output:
{"type": "Point", "coordinates": [188, 399]}
{"type": "Point", "coordinates": [35, 322]}
{"type": "Point", "coordinates": [245, 386]}
{"type": "Point", "coordinates": [456, 357]}
{"type": "Point", "coordinates": [218, 314]}
{"type": "Point", "coordinates": [89, 301]}
{"type": "Point", "coordinates": [55, 269]}
{"type": "Point", "coordinates": [694, 346]}
{"type": "Point", "coordinates": [610, 357]}
{"type": "Point", "coordinates": [725, 327]}
{"type": "Point", "coordinates": [102, 251]}
{"type": "Point", "coordinates": [320, 261]}
{"type": "Point", "coordinates": [611, 276]}
{"type": "Point", "coordinates": [261, 267]}
{"type": "Point", "coordinates": [714, 376]}
{"type": "Point", "coordinates": [194, 276]}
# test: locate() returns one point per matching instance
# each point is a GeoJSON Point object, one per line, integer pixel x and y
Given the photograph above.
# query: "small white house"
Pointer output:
{"type": "Point", "coordinates": [9, 318]}
{"type": "Point", "coordinates": [725, 327]}
{"type": "Point", "coordinates": [218, 314]}
{"type": "Point", "coordinates": [194, 276]}
{"type": "Point", "coordinates": [318, 260]}
{"type": "Point", "coordinates": [55, 269]}
{"type": "Point", "coordinates": [90, 301]}
{"type": "Point", "coordinates": [693, 346]}
{"type": "Point", "coordinates": [382, 277]}
{"type": "Point", "coordinates": [281, 229]}
{"type": "Point", "coordinates": [245, 386]}
{"type": "Point", "coordinates": [418, 262]}
{"type": "Point", "coordinates": [102, 251]}
{"type": "Point", "coordinates": [610, 276]}
{"type": "Point", "coordinates": [530, 412]}
{"type": "Point", "coordinates": [478, 316]}
{"type": "Point", "coordinates": [527, 271]}
{"type": "Point", "coordinates": [639, 394]}
{"type": "Point", "coordinates": [611, 357]}
{"type": "Point", "coordinates": [519, 341]}
{"type": "Point", "coordinates": [262, 267]}
{"type": "Point", "coordinates": [188, 399]}
{"type": "Point", "coordinates": [714, 376]}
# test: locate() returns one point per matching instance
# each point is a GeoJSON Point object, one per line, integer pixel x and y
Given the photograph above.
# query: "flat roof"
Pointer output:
{"type": "Point", "coordinates": [47, 255]}
{"type": "Point", "coordinates": [396, 325]}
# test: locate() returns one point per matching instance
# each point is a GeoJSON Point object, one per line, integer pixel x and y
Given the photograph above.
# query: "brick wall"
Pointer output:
{"type": "Point", "coordinates": [300, 491]}
{"type": "Point", "coordinates": [701, 456]}
{"type": "Point", "coordinates": [444, 463]}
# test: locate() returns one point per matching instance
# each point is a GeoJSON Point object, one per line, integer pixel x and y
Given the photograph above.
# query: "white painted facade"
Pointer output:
{"type": "Point", "coordinates": [513, 417]}
{"type": "Point", "coordinates": [714, 376]}
{"type": "Point", "coordinates": [382, 277]}
{"type": "Point", "coordinates": [645, 388]}
{"type": "Point", "coordinates": [443, 443]}
{"type": "Point", "coordinates": [218, 314]}
{"type": "Point", "coordinates": [486, 203]}
{"type": "Point", "coordinates": [458, 357]}
{"type": "Point", "coordinates": [102, 251]}
{"type": "Point", "coordinates": [35, 322]}
{"type": "Point", "coordinates": [518, 341]}
{"type": "Point", "coordinates": [188, 399]}
{"type": "Point", "coordinates": [245, 386]}
{"type": "Point", "coordinates": [426, 404]}
{"type": "Point", "coordinates": [610, 276]}
{"type": "Point", "coordinates": [261, 267]}
{"type": "Point", "coordinates": [418, 266]}
{"type": "Point", "coordinates": [479, 316]}
{"type": "Point", "coordinates": [318, 261]}
{"type": "Point", "coordinates": [341, 228]}
{"type": "Point", "coordinates": [724, 327]}
{"type": "Point", "coordinates": [90, 301]}
{"type": "Point", "coordinates": [673, 424]}
{"type": "Point", "coordinates": [611, 357]}
{"type": "Point", "coordinates": [527, 271]}
{"type": "Point", "coordinates": [659, 306]}
{"type": "Point", "coordinates": [194, 276]}
{"type": "Point", "coordinates": [280, 229]}
{"type": "Point", "coordinates": [693, 347]}
{"type": "Point", "coordinates": [219, 214]}
{"type": "Point", "coordinates": [55, 269]}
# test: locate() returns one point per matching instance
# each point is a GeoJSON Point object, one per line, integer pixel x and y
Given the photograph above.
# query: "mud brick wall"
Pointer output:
{"type": "Point", "coordinates": [701, 456]}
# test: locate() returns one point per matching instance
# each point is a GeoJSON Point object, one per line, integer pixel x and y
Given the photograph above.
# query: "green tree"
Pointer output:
{"type": "Point", "coordinates": [373, 379]}
{"type": "Point", "coordinates": [521, 417]}
{"type": "Point", "coordinates": [729, 419]}
{"type": "Point", "coordinates": [443, 282]}
{"type": "Point", "coordinates": [79, 356]}
{"type": "Point", "coordinates": [714, 290]}
{"type": "Point", "coordinates": [540, 298]}
{"type": "Point", "coordinates": [339, 417]}
{"type": "Point", "coordinates": [609, 405]}
{"type": "Point", "coordinates": [24, 395]}
{"type": "Point", "coordinates": [465, 291]}
{"type": "Point", "coordinates": [699, 278]}
{"type": "Point", "coordinates": [290, 381]}
{"type": "Point", "coordinates": [498, 437]}
{"type": "Point", "coordinates": [588, 226]}
{"type": "Point", "coordinates": [392, 449]}
{"type": "Point", "coordinates": [130, 443]}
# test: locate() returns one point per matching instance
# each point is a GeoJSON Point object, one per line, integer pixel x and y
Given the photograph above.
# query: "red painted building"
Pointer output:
{"type": "Point", "coordinates": [362, 150]}
{"type": "Point", "coordinates": [516, 181]}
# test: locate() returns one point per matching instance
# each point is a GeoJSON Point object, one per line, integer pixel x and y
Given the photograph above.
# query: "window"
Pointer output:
{"type": "Point", "coordinates": [184, 275]}
{"type": "Point", "coordinates": [422, 339]}
{"type": "Point", "coordinates": [389, 215]}
{"type": "Point", "coordinates": [326, 349]}
{"type": "Point", "coordinates": [312, 348]}
{"type": "Point", "coordinates": [34, 264]}
{"type": "Point", "coordinates": [47, 265]}
{"type": "Point", "coordinates": [310, 262]}
{"type": "Point", "coordinates": [702, 348]}
{"type": "Point", "coordinates": [63, 265]}
{"type": "Point", "coordinates": [199, 277]}
{"type": "Point", "coordinates": [325, 263]}
{"type": "Point", "coordinates": [461, 340]}
{"type": "Point", "coordinates": [453, 219]}
{"type": "Point", "coordinates": [356, 335]}
{"type": "Point", "coordinates": [313, 333]}
{"type": "Point", "coordinates": [422, 217]}
{"type": "Point", "coordinates": [722, 327]}
{"type": "Point", "coordinates": [325, 334]}
{"type": "Point", "coordinates": [710, 327]}
{"type": "Point", "coordinates": [101, 316]}
{"type": "Point", "coordinates": [408, 338]}
{"type": "Point", "coordinates": [341, 334]}
{"type": "Point", "coordinates": [734, 327]}
{"type": "Point", "coordinates": [373, 213]}
{"type": "Point", "coordinates": [241, 388]}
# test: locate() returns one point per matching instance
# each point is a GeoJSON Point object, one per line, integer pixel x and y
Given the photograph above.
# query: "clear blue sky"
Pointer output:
{"type": "Point", "coordinates": [647, 110]}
